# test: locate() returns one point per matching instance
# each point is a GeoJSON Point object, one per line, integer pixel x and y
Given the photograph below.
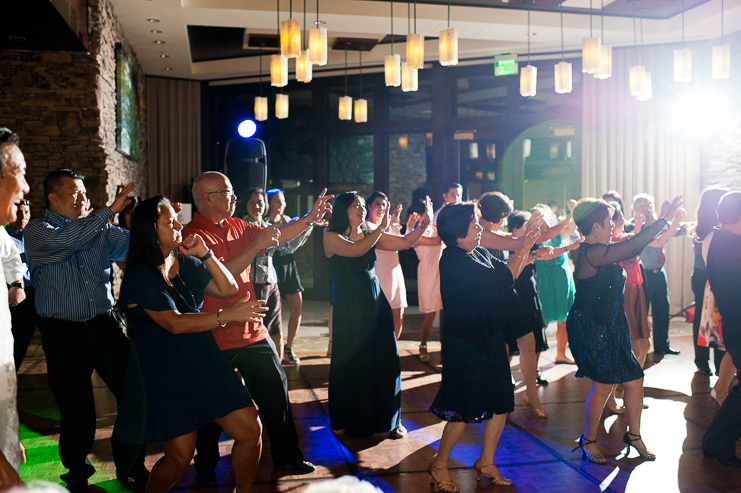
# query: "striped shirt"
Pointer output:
{"type": "Point", "coordinates": [70, 263]}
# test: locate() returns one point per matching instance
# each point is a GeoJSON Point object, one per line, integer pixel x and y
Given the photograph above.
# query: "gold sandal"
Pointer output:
{"type": "Point", "coordinates": [444, 486]}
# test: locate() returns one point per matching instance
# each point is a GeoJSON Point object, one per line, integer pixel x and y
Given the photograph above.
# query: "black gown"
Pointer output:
{"type": "Point", "coordinates": [476, 381]}
{"type": "Point", "coordinates": [364, 373]}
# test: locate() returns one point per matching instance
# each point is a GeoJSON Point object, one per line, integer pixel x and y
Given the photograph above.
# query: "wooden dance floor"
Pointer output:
{"type": "Point", "coordinates": [535, 453]}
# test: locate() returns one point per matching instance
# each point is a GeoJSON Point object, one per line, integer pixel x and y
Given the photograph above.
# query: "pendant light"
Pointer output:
{"type": "Point", "coordinates": [721, 53]}
{"type": "Point", "coordinates": [392, 62]}
{"type": "Point", "coordinates": [637, 73]}
{"type": "Point", "coordinates": [318, 42]}
{"type": "Point", "coordinates": [591, 51]}
{"type": "Point", "coordinates": [303, 63]}
{"type": "Point", "coordinates": [647, 85]}
{"type": "Point", "coordinates": [361, 105]}
{"type": "Point", "coordinates": [409, 78]}
{"type": "Point", "coordinates": [563, 68]}
{"type": "Point", "coordinates": [448, 44]}
{"type": "Point", "coordinates": [605, 61]}
{"type": "Point", "coordinates": [290, 35]}
{"type": "Point", "coordinates": [529, 74]}
{"type": "Point", "coordinates": [281, 106]}
{"type": "Point", "coordinates": [261, 103]}
{"type": "Point", "coordinates": [683, 59]}
{"type": "Point", "coordinates": [415, 44]}
{"type": "Point", "coordinates": [345, 107]}
{"type": "Point", "coordinates": [278, 64]}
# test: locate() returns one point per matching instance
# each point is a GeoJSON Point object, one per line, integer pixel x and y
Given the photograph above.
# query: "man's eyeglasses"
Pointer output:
{"type": "Point", "coordinates": [24, 202]}
{"type": "Point", "coordinates": [227, 191]}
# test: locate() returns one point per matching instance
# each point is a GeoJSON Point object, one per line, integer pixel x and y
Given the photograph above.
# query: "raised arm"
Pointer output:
{"type": "Point", "coordinates": [319, 209]}
{"type": "Point", "coordinates": [672, 231]}
{"type": "Point", "coordinates": [222, 281]}
{"type": "Point", "coordinates": [268, 237]}
{"type": "Point", "coordinates": [47, 244]}
{"type": "Point", "coordinates": [518, 260]}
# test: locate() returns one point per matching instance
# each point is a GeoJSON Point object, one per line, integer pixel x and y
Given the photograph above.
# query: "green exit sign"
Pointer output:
{"type": "Point", "coordinates": [505, 67]}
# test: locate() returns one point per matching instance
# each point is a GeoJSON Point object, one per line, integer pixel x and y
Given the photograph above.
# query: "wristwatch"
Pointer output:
{"type": "Point", "coordinates": [17, 284]}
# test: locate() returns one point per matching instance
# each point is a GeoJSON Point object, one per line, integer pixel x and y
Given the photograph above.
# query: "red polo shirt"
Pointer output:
{"type": "Point", "coordinates": [227, 240]}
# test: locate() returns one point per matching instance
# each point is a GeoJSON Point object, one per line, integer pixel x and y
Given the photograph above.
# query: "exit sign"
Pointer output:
{"type": "Point", "coordinates": [505, 67]}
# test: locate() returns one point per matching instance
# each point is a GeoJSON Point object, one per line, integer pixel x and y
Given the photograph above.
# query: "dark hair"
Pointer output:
{"type": "Point", "coordinates": [7, 136]}
{"type": "Point", "coordinates": [615, 196]}
{"type": "Point", "coordinates": [122, 214]}
{"type": "Point", "coordinates": [517, 219]}
{"type": "Point", "coordinates": [589, 211]}
{"type": "Point", "coordinates": [707, 216]}
{"type": "Point", "coordinates": [253, 191]}
{"type": "Point", "coordinates": [373, 196]}
{"type": "Point", "coordinates": [495, 206]}
{"type": "Point", "coordinates": [53, 181]}
{"type": "Point", "coordinates": [617, 210]}
{"type": "Point", "coordinates": [729, 208]}
{"type": "Point", "coordinates": [340, 221]}
{"type": "Point", "coordinates": [453, 222]}
{"type": "Point", "coordinates": [452, 185]}
{"type": "Point", "coordinates": [272, 192]}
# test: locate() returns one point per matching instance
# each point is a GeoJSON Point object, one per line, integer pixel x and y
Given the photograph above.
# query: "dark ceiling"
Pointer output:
{"type": "Point", "coordinates": [37, 25]}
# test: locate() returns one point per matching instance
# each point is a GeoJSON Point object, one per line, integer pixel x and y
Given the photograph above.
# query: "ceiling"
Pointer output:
{"type": "Point", "coordinates": [202, 39]}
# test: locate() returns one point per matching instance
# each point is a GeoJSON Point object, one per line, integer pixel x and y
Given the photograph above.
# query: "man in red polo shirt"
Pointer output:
{"type": "Point", "coordinates": [247, 345]}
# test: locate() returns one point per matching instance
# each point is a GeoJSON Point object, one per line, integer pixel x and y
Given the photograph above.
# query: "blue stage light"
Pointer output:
{"type": "Point", "coordinates": [247, 129]}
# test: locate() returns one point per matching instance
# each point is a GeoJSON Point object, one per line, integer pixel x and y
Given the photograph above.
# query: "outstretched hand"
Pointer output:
{"type": "Point", "coordinates": [385, 221]}
{"type": "Point", "coordinates": [672, 208]}
{"type": "Point", "coordinates": [396, 216]}
{"type": "Point", "coordinates": [320, 208]}
{"type": "Point", "coordinates": [122, 199]}
{"type": "Point", "coordinates": [412, 221]}
{"type": "Point", "coordinates": [248, 311]}
{"type": "Point", "coordinates": [269, 237]}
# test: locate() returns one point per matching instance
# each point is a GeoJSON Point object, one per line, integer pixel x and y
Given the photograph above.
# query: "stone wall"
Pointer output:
{"type": "Point", "coordinates": [63, 106]}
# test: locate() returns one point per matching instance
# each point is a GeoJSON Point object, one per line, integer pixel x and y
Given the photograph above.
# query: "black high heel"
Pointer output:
{"type": "Point", "coordinates": [597, 458]}
{"type": "Point", "coordinates": [644, 453]}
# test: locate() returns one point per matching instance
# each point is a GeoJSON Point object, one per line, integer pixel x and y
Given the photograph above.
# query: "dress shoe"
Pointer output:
{"type": "Point", "coordinates": [139, 476]}
{"type": "Point", "coordinates": [76, 485]}
{"type": "Point", "coordinates": [728, 461]}
{"type": "Point", "coordinates": [299, 467]}
{"type": "Point", "coordinates": [705, 371]}
{"type": "Point", "coordinates": [667, 350]}
{"type": "Point", "coordinates": [207, 478]}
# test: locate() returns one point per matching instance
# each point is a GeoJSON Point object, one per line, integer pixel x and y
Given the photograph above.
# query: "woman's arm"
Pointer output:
{"type": "Point", "coordinates": [335, 244]}
{"type": "Point", "coordinates": [518, 260]}
{"type": "Point", "coordinates": [671, 232]}
{"type": "Point", "coordinates": [222, 281]}
{"type": "Point", "coordinates": [391, 242]}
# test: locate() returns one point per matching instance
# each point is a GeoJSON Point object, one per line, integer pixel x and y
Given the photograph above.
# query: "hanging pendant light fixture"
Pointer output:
{"type": "Point", "coordinates": [529, 74]}
{"type": "Point", "coordinates": [562, 69]}
{"type": "Point", "coordinates": [722, 53]}
{"type": "Point", "coordinates": [261, 103]}
{"type": "Point", "coordinates": [345, 101]}
{"type": "Point", "coordinates": [392, 62]}
{"type": "Point", "coordinates": [637, 73]}
{"type": "Point", "coordinates": [415, 44]}
{"type": "Point", "coordinates": [605, 61]}
{"type": "Point", "coordinates": [304, 72]}
{"type": "Point", "coordinates": [281, 106]}
{"type": "Point", "coordinates": [361, 105]}
{"type": "Point", "coordinates": [409, 78]}
{"type": "Point", "coordinates": [448, 44]}
{"type": "Point", "coordinates": [647, 85]}
{"type": "Point", "coordinates": [318, 42]}
{"type": "Point", "coordinates": [278, 64]}
{"type": "Point", "coordinates": [591, 51]}
{"type": "Point", "coordinates": [683, 59]}
{"type": "Point", "coordinates": [290, 35]}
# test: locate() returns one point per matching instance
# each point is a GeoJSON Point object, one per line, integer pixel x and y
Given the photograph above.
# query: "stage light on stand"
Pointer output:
{"type": "Point", "coordinates": [246, 129]}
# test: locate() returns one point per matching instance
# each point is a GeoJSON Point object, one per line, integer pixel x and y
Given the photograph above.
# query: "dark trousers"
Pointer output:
{"type": "Point", "coordinates": [725, 429]}
{"type": "Point", "coordinates": [73, 350]}
{"type": "Point", "coordinates": [267, 383]}
{"type": "Point", "coordinates": [702, 353]}
{"type": "Point", "coordinates": [23, 322]}
{"type": "Point", "coordinates": [657, 299]}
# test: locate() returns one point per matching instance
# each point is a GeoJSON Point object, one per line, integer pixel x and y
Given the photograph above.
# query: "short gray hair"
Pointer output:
{"type": "Point", "coordinates": [7, 136]}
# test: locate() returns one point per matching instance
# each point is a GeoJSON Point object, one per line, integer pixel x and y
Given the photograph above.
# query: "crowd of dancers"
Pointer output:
{"type": "Point", "coordinates": [194, 343]}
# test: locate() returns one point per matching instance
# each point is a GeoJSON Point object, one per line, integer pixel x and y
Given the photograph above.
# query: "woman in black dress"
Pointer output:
{"type": "Point", "coordinates": [364, 373]}
{"type": "Point", "coordinates": [598, 329]}
{"type": "Point", "coordinates": [476, 381]}
{"type": "Point", "coordinates": [178, 380]}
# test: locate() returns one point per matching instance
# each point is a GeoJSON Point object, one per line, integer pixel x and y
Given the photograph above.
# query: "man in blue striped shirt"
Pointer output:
{"type": "Point", "coordinates": [70, 253]}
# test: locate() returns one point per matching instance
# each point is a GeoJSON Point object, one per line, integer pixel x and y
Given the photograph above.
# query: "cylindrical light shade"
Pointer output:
{"type": "Point", "coordinates": [361, 110]}
{"type": "Point", "coordinates": [403, 142]}
{"type": "Point", "coordinates": [345, 108]}
{"type": "Point", "coordinates": [281, 106]}
{"type": "Point", "coordinates": [605, 63]}
{"type": "Point", "coordinates": [473, 151]}
{"type": "Point", "coordinates": [647, 89]}
{"type": "Point", "coordinates": [448, 47]}
{"type": "Point", "coordinates": [318, 46]}
{"type": "Point", "coordinates": [563, 77]}
{"type": "Point", "coordinates": [290, 38]}
{"type": "Point", "coordinates": [392, 67]}
{"type": "Point", "coordinates": [528, 81]}
{"type": "Point", "coordinates": [303, 67]}
{"type": "Point", "coordinates": [409, 78]}
{"type": "Point", "coordinates": [721, 62]}
{"type": "Point", "coordinates": [637, 78]}
{"type": "Point", "coordinates": [491, 152]}
{"type": "Point", "coordinates": [683, 65]}
{"type": "Point", "coordinates": [261, 109]}
{"type": "Point", "coordinates": [415, 50]}
{"type": "Point", "coordinates": [278, 70]}
{"type": "Point", "coordinates": [591, 53]}
{"type": "Point", "coordinates": [527, 146]}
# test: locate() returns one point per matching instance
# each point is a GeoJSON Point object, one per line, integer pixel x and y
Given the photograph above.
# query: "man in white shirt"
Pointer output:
{"type": "Point", "coordinates": [453, 195]}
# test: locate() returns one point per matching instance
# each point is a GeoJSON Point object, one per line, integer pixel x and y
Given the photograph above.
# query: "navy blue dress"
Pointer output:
{"type": "Point", "coordinates": [176, 383]}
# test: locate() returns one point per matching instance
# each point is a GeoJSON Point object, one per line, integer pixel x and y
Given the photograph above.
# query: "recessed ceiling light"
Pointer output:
{"type": "Point", "coordinates": [159, 42]}
{"type": "Point", "coordinates": [155, 31]}
{"type": "Point", "coordinates": [168, 68]}
{"type": "Point", "coordinates": [153, 19]}
{"type": "Point", "coordinates": [164, 55]}
{"type": "Point", "coordinates": [16, 38]}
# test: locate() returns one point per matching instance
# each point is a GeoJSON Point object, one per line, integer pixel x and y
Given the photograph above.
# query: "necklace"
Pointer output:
{"type": "Point", "coordinates": [195, 305]}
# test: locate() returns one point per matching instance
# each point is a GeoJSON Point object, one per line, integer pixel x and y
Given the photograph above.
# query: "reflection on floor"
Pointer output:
{"type": "Point", "coordinates": [535, 453]}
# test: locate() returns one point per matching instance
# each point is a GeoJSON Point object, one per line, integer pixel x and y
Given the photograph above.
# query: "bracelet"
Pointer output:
{"type": "Point", "coordinates": [521, 256]}
{"type": "Point", "coordinates": [16, 284]}
{"type": "Point", "coordinates": [218, 321]}
{"type": "Point", "coordinates": [207, 256]}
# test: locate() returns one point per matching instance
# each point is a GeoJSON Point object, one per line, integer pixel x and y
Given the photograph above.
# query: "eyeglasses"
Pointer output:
{"type": "Point", "coordinates": [228, 191]}
{"type": "Point", "coordinates": [24, 202]}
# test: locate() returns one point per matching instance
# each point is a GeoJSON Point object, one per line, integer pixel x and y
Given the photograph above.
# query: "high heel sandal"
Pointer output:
{"type": "Point", "coordinates": [644, 453]}
{"type": "Point", "coordinates": [495, 480]}
{"type": "Point", "coordinates": [423, 357]}
{"type": "Point", "coordinates": [619, 410]}
{"type": "Point", "coordinates": [597, 458]}
{"type": "Point", "coordinates": [445, 486]}
{"type": "Point", "coordinates": [538, 411]}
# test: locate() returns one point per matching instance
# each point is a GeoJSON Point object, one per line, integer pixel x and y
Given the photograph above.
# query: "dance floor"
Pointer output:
{"type": "Point", "coordinates": [535, 453]}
